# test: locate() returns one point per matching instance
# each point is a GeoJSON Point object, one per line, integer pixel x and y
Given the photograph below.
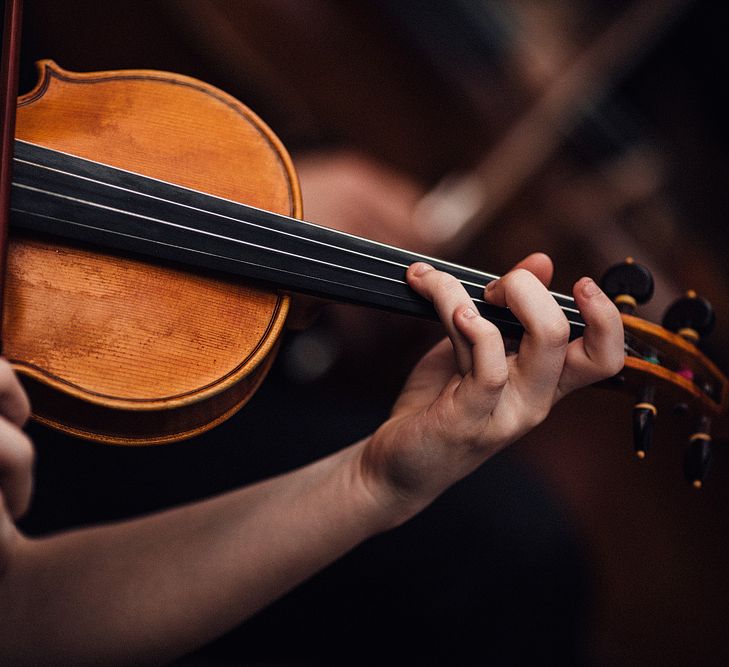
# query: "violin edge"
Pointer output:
{"type": "Point", "coordinates": [134, 428]}
{"type": "Point", "coordinates": [163, 417]}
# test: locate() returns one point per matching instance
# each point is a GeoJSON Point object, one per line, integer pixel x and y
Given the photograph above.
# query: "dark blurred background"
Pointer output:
{"type": "Point", "coordinates": [585, 129]}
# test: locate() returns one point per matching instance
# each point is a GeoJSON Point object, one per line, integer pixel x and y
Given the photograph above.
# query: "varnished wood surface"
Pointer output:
{"type": "Point", "coordinates": [675, 353]}
{"type": "Point", "coordinates": [127, 335]}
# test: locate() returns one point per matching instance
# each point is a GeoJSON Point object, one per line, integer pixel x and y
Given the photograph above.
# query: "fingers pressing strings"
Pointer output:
{"type": "Point", "coordinates": [546, 334]}
{"type": "Point", "coordinates": [480, 390]}
{"type": "Point", "coordinates": [477, 343]}
{"type": "Point", "coordinates": [600, 350]}
{"type": "Point", "coordinates": [448, 296]}
{"type": "Point", "coordinates": [547, 365]}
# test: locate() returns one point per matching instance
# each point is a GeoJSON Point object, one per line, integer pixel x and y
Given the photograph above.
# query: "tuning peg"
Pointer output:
{"type": "Point", "coordinates": [690, 316]}
{"type": "Point", "coordinates": [644, 417]}
{"type": "Point", "coordinates": [698, 455]}
{"type": "Point", "coordinates": [628, 284]}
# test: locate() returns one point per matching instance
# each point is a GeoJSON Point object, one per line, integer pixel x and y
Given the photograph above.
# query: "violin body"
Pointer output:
{"type": "Point", "coordinates": [127, 351]}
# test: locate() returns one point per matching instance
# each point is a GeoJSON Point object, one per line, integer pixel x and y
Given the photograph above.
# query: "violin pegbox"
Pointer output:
{"type": "Point", "coordinates": [664, 368]}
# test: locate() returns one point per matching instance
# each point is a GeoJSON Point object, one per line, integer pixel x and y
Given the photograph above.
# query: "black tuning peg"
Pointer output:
{"type": "Point", "coordinates": [644, 417]}
{"type": "Point", "coordinates": [628, 284]}
{"type": "Point", "coordinates": [698, 460]}
{"type": "Point", "coordinates": [698, 455]}
{"type": "Point", "coordinates": [690, 316]}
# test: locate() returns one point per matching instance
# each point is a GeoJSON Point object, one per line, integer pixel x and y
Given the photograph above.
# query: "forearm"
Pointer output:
{"type": "Point", "coordinates": [154, 588]}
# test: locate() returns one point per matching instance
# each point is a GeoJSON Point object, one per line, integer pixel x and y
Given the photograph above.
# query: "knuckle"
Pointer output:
{"type": "Point", "coordinates": [477, 442]}
{"type": "Point", "coordinates": [495, 381]}
{"type": "Point", "coordinates": [607, 365]}
{"type": "Point", "coordinates": [556, 332]}
{"type": "Point", "coordinates": [606, 315]}
{"type": "Point", "coordinates": [507, 281]}
{"type": "Point", "coordinates": [440, 415]}
{"type": "Point", "coordinates": [535, 415]}
{"type": "Point", "coordinates": [520, 276]}
{"type": "Point", "coordinates": [514, 274]}
{"type": "Point", "coordinates": [615, 364]}
{"type": "Point", "coordinates": [510, 429]}
{"type": "Point", "coordinates": [610, 319]}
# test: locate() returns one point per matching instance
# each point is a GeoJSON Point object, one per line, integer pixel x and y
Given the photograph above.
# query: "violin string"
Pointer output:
{"type": "Point", "coordinates": [188, 249]}
{"type": "Point", "coordinates": [205, 232]}
{"type": "Point", "coordinates": [629, 348]}
{"type": "Point", "coordinates": [630, 338]}
{"type": "Point", "coordinates": [487, 276]}
{"type": "Point", "coordinates": [222, 237]}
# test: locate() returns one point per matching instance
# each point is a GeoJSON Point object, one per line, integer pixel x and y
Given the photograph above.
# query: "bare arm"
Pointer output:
{"type": "Point", "coordinates": [151, 589]}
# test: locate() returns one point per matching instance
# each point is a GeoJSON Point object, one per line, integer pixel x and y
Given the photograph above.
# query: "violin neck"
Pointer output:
{"type": "Point", "coordinates": [64, 195]}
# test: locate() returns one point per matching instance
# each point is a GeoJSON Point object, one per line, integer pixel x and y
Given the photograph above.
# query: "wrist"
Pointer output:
{"type": "Point", "coordinates": [390, 502]}
{"type": "Point", "coordinates": [368, 500]}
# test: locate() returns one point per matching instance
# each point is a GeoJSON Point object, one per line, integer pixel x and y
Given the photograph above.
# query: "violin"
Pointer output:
{"type": "Point", "coordinates": [157, 237]}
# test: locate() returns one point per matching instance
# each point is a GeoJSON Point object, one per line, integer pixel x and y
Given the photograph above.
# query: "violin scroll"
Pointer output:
{"type": "Point", "coordinates": [665, 369]}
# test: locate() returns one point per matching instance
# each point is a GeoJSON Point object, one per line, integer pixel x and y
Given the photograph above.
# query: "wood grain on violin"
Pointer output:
{"type": "Point", "coordinates": [97, 335]}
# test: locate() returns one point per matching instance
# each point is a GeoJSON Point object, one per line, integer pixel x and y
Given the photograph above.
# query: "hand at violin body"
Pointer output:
{"type": "Point", "coordinates": [16, 459]}
{"type": "Point", "coordinates": [467, 399]}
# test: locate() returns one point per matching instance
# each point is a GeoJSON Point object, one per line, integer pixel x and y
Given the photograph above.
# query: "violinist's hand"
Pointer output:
{"type": "Point", "coordinates": [467, 399]}
{"type": "Point", "coordinates": [16, 460]}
